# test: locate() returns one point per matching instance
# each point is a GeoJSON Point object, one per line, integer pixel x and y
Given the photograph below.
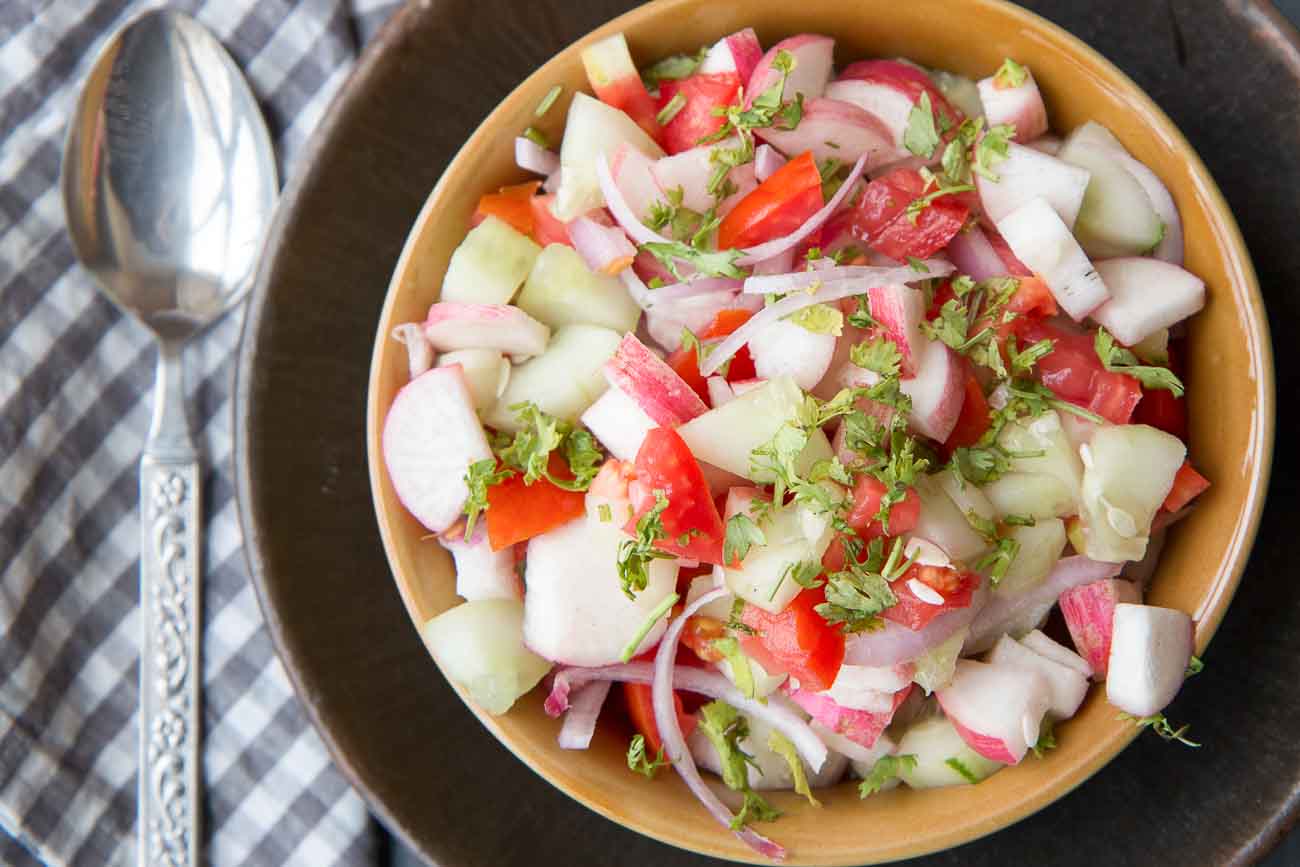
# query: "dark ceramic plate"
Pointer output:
{"type": "Point", "coordinates": [1227, 73]}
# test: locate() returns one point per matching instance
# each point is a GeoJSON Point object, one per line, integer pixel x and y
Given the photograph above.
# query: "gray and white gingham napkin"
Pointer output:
{"type": "Point", "coordinates": [74, 409]}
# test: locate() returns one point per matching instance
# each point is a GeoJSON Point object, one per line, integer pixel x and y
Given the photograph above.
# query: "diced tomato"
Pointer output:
{"type": "Point", "coordinates": [725, 322]}
{"type": "Point", "coordinates": [685, 361]}
{"type": "Point", "coordinates": [973, 420]}
{"type": "Point", "coordinates": [1033, 299]}
{"type": "Point", "coordinates": [1015, 267]}
{"type": "Point", "coordinates": [943, 293]}
{"type": "Point", "coordinates": [640, 709]}
{"type": "Point", "coordinates": [700, 633]}
{"type": "Point", "coordinates": [695, 120]}
{"type": "Point", "coordinates": [629, 95]}
{"type": "Point", "coordinates": [517, 511]}
{"type": "Point", "coordinates": [1188, 485]}
{"type": "Point", "coordinates": [776, 207]}
{"type": "Point", "coordinates": [548, 228]}
{"type": "Point", "coordinates": [913, 612]}
{"type": "Point", "coordinates": [798, 641]}
{"type": "Point", "coordinates": [513, 205]}
{"type": "Point", "coordinates": [867, 493]}
{"type": "Point", "coordinates": [1160, 409]}
{"type": "Point", "coordinates": [1074, 372]}
{"type": "Point", "coordinates": [691, 521]}
{"type": "Point", "coordinates": [881, 218]}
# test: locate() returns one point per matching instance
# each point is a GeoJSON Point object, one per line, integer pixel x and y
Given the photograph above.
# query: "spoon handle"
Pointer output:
{"type": "Point", "coordinates": [168, 811]}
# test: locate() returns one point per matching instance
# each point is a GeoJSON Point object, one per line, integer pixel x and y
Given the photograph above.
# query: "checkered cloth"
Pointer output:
{"type": "Point", "coordinates": [75, 398]}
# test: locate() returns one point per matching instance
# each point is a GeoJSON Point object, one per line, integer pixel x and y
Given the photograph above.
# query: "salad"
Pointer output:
{"type": "Point", "coordinates": [797, 403]}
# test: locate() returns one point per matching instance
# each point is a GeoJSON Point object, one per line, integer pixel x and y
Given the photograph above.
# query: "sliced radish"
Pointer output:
{"type": "Point", "coordinates": [652, 384]}
{"type": "Point", "coordinates": [1039, 643]}
{"type": "Point", "coordinates": [862, 727]}
{"type": "Point", "coordinates": [487, 373]}
{"type": "Point", "coordinates": [784, 348]}
{"type": "Point", "coordinates": [1048, 144]}
{"type": "Point", "coordinates": [888, 104]}
{"type": "Point", "coordinates": [1066, 686]}
{"type": "Point", "coordinates": [691, 171]}
{"type": "Point", "coordinates": [633, 174]}
{"type": "Point", "coordinates": [767, 160]}
{"type": "Point", "coordinates": [996, 709]}
{"type": "Point", "coordinates": [618, 422]}
{"type": "Point", "coordinates": [419, 351]}
{"type": "Point", "coordinates": [580, 720]}
{"type": "Point", "coordinates": [1089, 613]}
{"type": "Point", "coordinates": [937, 391]}
{"type": "Point", "coordinates": [1149, 655]}
{"type": "Point", "coordinates": [720, 391]}
{"type": "Point", "coordinates": [1028, 174]}
{"type": "Point", "coordinates": [453, 325]}
{"type": "Point", "coordinates": [1022, 106]}
{"type": "Point", "coordinates": [482, 573]}
{"type": "Point", "coordinates": [860, 687]}
{"type": "Point", "coordinates": [895, 643]}
{"type": "Point", "coordinates": [1040, 239]}
{"type": "Point", "coordinates": [431, 436]}
{"type": "Point", "coordinates": [592, 130]}
{"type": "Point", "coordinates": [942, 523]}
{"type": "Point", "coordinates": [974, 256]}
{"type": "Point", "coordinates": [575, 610]}
{"type": "Point", "coordinates": [832, 129]}
{"type": "Point", "coordinates": [813, 57]}
{"type": "Point", "coordinates": [899, 310]}
{"type": "Point", "coordinates": [738, 53]}
{"type": "Point", "coordinates": [1146, 296]}
{"type": "Point", "coordinates": [614, 79]}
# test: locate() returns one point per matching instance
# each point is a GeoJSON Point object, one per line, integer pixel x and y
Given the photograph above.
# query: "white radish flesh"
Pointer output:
{"type": "Point", "coordinates": [835, 130]}
{"type": "Point", "coordinates": [479, 646]}
{"type": "Point", "coordinates": [1027, 174]}
{"type": "Point", "coordinates": [419, 351]}
{"type": "Point", "coordinates": [784, 348]}
{"type": "Point", "coordinates": [899, 310]}
{"type": "Point", "coordinates": [618, 422]}
{"type": "Point", "coordinates": [1022, 106]}
{"type": "Point", "coordinates": [691, 170]}
{"type": "Point", "coordinates": [1041, 240]}
{"type": "Point", "coordinates": [738, 53]}
{"type": "Point", "coordinates": [489, 264]}
{"type": "Point", "coordinates": [486, 373]}
{"type": "Point", "coordinates": [652, 384]}
{"type": "Point", "coordinates": [563, 381]}
{"type": "Point", "coordinates": [1066, 686]}
{"type": "Point", "coordinates": [482, 573]}
{"type": "Point", "coordinates": [937, 391]}
{"type": "Point", "coordinates": [1039, 643]}
{"type": "Point", "coordinates": [431, 436]}
{"type": "Point", "coordinates": [633, 174]}
{"type": "Point", "coordinates": [996, 709]}
{"type": "Point", "coordinates": [1147, 295]}
{"type": "Point", "coordinates": [892, 105]}
{"type": "Point", "coordinates": [575, 610]}
{"type": "Point", "coordinates": [1149, 656]}
{"type": "Point", "coordinates": [453, 325]}
{"type": "Point", "coordinates": [813, 56]}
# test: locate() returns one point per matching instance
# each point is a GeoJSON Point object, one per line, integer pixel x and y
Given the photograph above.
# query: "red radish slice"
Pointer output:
{"type": "Point", "coordinates": [887, 104]}
{"type": "Point", "coordinates": [813, 57]}
{"type": "Point", "coordinates": [605, 249]}
{"type": "Point", "coordinates": [419, 351]}
{"type": "Point", "coordinates": [1042, 240]}
{"type": "Point", "coordinates": [832, 129]}
{"type": "Point", "coordinates": [507, 329]}
{"type": "Point", "coordinates": [720, 391]}
{"type": "Point", "coordinates": [860, 726]}
{"type": "Point", "coordinates": [701, 101]}
{"type": "Point", "coordinates": [691, 170]}
{"type": "Point", "coordinates": [431, 436]}
{"type": "Point", "coordinates": [482, 573]}
{"type": "Point", "coordinates": [1028, 174]}
{"type": "Point", "coordinates": [618, 422]}
{"type": "Point", "coordinates": [973, 255]}
{"type": "Point", "coordinates": [580, 721]}
{"type": "Point", "coordinates": [745, 181]}
{"type": "Point", "coordinates": [622, 211]}
{"type": "Point", "coordinates": [1021, 107]}
{"type": "Point", "coordinates": [1007, 609]}
{"type": "Point", "coordinates": [1146, 296]}
{"type": "Point", "coordinates": [899, 310]}
{"type": "Point", "coordinates": [938, 390]}
{"type": "Point", "coordinates": [771, 248]}
{"type": "Point", "coordinates": [1089, 613]}
{"type": "Point", "coordinates": [896, 643]}
{"type": "Point", "coordinates": [633, 174]}
{"type": "Point", "coordinates": [1149, 655]}
{"type": "Point", "coordinates": [532, 157]}
{"type": "Point", "coordinates": [1065, 686]}
{"type": "Point", "coordinates": [767, 160]}
{"type": "Point", "coordinates": [652, 384]}
{"type": "Point", "coordinates": [738, 53]}
{"type": "Point", "coordinates": [997, 710]}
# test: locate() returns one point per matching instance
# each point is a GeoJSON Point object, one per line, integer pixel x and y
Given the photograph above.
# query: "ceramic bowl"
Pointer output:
{"type": "Point", "coordinates": [1229, 375]}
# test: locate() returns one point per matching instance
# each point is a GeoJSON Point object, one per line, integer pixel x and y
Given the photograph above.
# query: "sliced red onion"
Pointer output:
{"type": "Point", "coordinates": [769, 249]}
{"type": "Point", "coordinates": [532, 157]}
{"type": "Point", "coordinates": [691, 288]}
{"type": "Point", "coordinates": [781, 263]}
{"type": "Point", "coordinates": [622, 211]}
{"type": "Point", "coordinates": [670, 732]}
{"type": "Point", "coordinates": [767, 160]}
{"type": "Point", "coordinates": [1003, 610]}
{"type": "Point", "coordinates": [974, 256]}
{"type": "Point", "coordinates": [896, 643]}
{"type": "Point", "coordinates": [831, 290]}
{"type": "Point", "coordinates": [830, 272]}
{"type": "Point", "coordinates": [604, 248]}
{"type": "Point", "coordinates": [636, 288]}
{"type": "Point", "coordinates": [552, 182]}
{"type": "Point", "coordinates": [580, 721]}
{"type": "Point", "coordinates": [419, 351]}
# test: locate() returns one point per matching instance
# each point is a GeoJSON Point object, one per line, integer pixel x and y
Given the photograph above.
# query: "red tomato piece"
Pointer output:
{"type": "Point", "coordinates": [692, 523]}
{"type": "Point", "coordinates": [696, 120]}
{"type": "Point", "coordinates": [513, 205]}
{"type": "Point", "coordinates": [1074, 372]}
{"type": "Point", "coordinates": [798, 641]}
{"type": "Point", "coordinates": [640, 709]}
{"type": "Point", "coordinates": [685, 361]}
{"type": "Point", "coordinates": [881, 219]}
{"type": "Point", "coordinates": [1033, 299]}
{"type": "Point", "coordinates": [1188, 485]}
{"type": "Point", "coordinates": [548, 228]}
{"type": "Point", "coordinates": [867, 493]}
{"type": "Point", "coordinates": [517, 511]}
{"type": "Point", "coordinates": [725, 322]}
{"type": "Point", "coordinates": [1160, 409]}
{"type": "Point", "coordinates": [913, 612]}
{"type": "Point", "coordinates": [776, 207]}
{"type": "Point", "coordinates": [629, 95]}
{"type": "Point", "coordinates": [700, 633]}
{"type": "Point", "coordinates": [974, 418]}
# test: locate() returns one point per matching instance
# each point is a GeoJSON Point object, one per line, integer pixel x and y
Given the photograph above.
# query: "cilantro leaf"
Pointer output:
{"type": "Point", "coordinates": [670, 110]}
{"type": "Point", "coordinates": [1046, 737]}
{"type": "Point", "coordinates": [478, 478]}
{"type": "Point", "coordinates": [663, 607]}
{"type": "Point", "coordinates": [966, 774]}
{"type": "Point", "coordinates": [742, 533]}
{"type": "Point", "coordinates": [879, 355]}
{"type": "Point", "coordinates": [1117, 359]}
{"type": "Point", "coordinates": [819, 319]}
{"type": "Point", "coordinates": [548, 100]}
{"type": "Point", "coordinates": [741, 673]}
{"type": "Point", "coordinates": [885, 769]}
{"type": "Point", "coordinates": [719, 264]}
{"type": "Point", "coordinates": [921, 137]}
{"type": "Point", "coordinates": [1160, 724]}
{"type": "Point", "coordinates": [1196, 666]}
{"type": "Point", "coordinates": [672, 68]}
{"type": "Point", "coordinates": [537, 137]}
{"type": "Point", "coordinates": [636, 554]}
{"type": "Point", "coordinates": [992, 149]}
{"type": "Point", "coordinates": [781, 745]}
{"type": "Point", "coordinates": [1009, 75]}
{"type": "Point", "coordinates": [723, 725]}
{"type": "Point", "coordinates": [540, 434]}
{"type": "Point", "coordinates": [802, 572]}
{"type": "Point", "coordinates": [637, 761]}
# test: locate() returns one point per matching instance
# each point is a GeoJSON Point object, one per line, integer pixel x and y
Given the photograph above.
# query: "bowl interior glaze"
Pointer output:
{"type": "Point", "coordinates": [1230, 395]}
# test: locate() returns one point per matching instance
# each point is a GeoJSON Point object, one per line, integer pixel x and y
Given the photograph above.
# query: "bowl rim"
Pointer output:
{"type": "Point", "coordinates": [1238, 265]}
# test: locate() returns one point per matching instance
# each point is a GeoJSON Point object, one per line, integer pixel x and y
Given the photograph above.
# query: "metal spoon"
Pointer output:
{"type": "Point", "coordinates": [169, 183]}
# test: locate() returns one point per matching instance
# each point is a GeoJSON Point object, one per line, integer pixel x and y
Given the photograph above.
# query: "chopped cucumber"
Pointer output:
{"type": "Point", "coordinates": [1040, 547]}
{"type": "Point", "coordinates": [562, 290]}
{"type": "Point", "coordinates": [563, 381]}
{"type": "Point", "coordinates": [942, 757]}
{"type": "Point", "coordinates": [489, 264]}
{"type": "Point", "coordinates": [480, 646]}
{"type": "Point", "coordinates": [794, 534]}
{"type": "Point", "coordinates": [1128, 471]}
{"type": "Point", "coordinates": [1117, 217]}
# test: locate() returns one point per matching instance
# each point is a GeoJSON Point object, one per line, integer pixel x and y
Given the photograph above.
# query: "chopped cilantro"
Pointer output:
{"type": "Point", "coordinates": [637, 760]}
{"type": "Point", "coordinates": [537, 137]}
{"type": "Point", "coordinates": [635, 555]}
{"type": "Point", "coordinates": [781, 745]}
{"type": "Point", "coordinates": [1117, 359]}
{"type": "Point", "coordinates": [921, 137]}
{"type": "Point", "coordinates": [1160, 724]}
{"type": "Point", "coordinates": [1009, 75]}
{"type": "Point", "coordinates": [665, 605]}
{"type": "Point", "coordinates": [478, 478]}
{"type": "Point", "coordinates": [1046, 737]}
{"type": "Point", "coordinates": [741, 673]}
{"type": "Point", "coordinates": [819, 319]}
{"type": "Point", "coordinates": [957, 765]}
{"type": "Point", "coordinates": [719, 264]}
{"type": "Point", "coordinates": [992, 149]}
{"type": "Point", "coordinates": [605, 512]}
{"type": "Point", "coordinates": [723, 725]}
{"type": "Point", "coordinates": [549, 100]}
{"type": "Point", "coordinates": [1196, 666]}
{"type": "Point", "coordinates": [672, 68]}
{"type": "Point", "coordinates": [885, 769]}
{"type": "Point", "coordinates": [669, 111]}
{"type": "Point", "coordinates": [742, 533]}
{"type": "Point", "coordinates": [539, 435]}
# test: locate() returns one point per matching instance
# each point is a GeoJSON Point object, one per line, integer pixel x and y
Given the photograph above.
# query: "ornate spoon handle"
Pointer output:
{"type": "Point", "coordinates": [168, 810]}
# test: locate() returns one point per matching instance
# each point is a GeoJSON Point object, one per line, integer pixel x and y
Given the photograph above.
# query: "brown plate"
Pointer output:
{"type": "Point", "coordinates": [365, 677]}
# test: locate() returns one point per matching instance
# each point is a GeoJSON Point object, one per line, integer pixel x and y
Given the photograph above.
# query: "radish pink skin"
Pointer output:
{"type": "Point", "coordinates": [519, 333]}
{"type": "Point", "coordinates": [1020, 106]}
{"type": "Point", "coordinates": [855, 130]}
{"type": "Point", "coordinates": [739, 53]}
{"type": "Point", "coordinates": [899, 310]}
{"type": "Point", "coordinates": [860, 726]}
{"type": "Point", "coordinates": [649, 381]}
{"type": "Point", "coordinates": [813, 54]}
{"type": "Point", "coordinates": [935, 415]}
{"type": "Point", "coordinates": [1089, 613]}
{"type": "Point", "coordinates": [989, 747]}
